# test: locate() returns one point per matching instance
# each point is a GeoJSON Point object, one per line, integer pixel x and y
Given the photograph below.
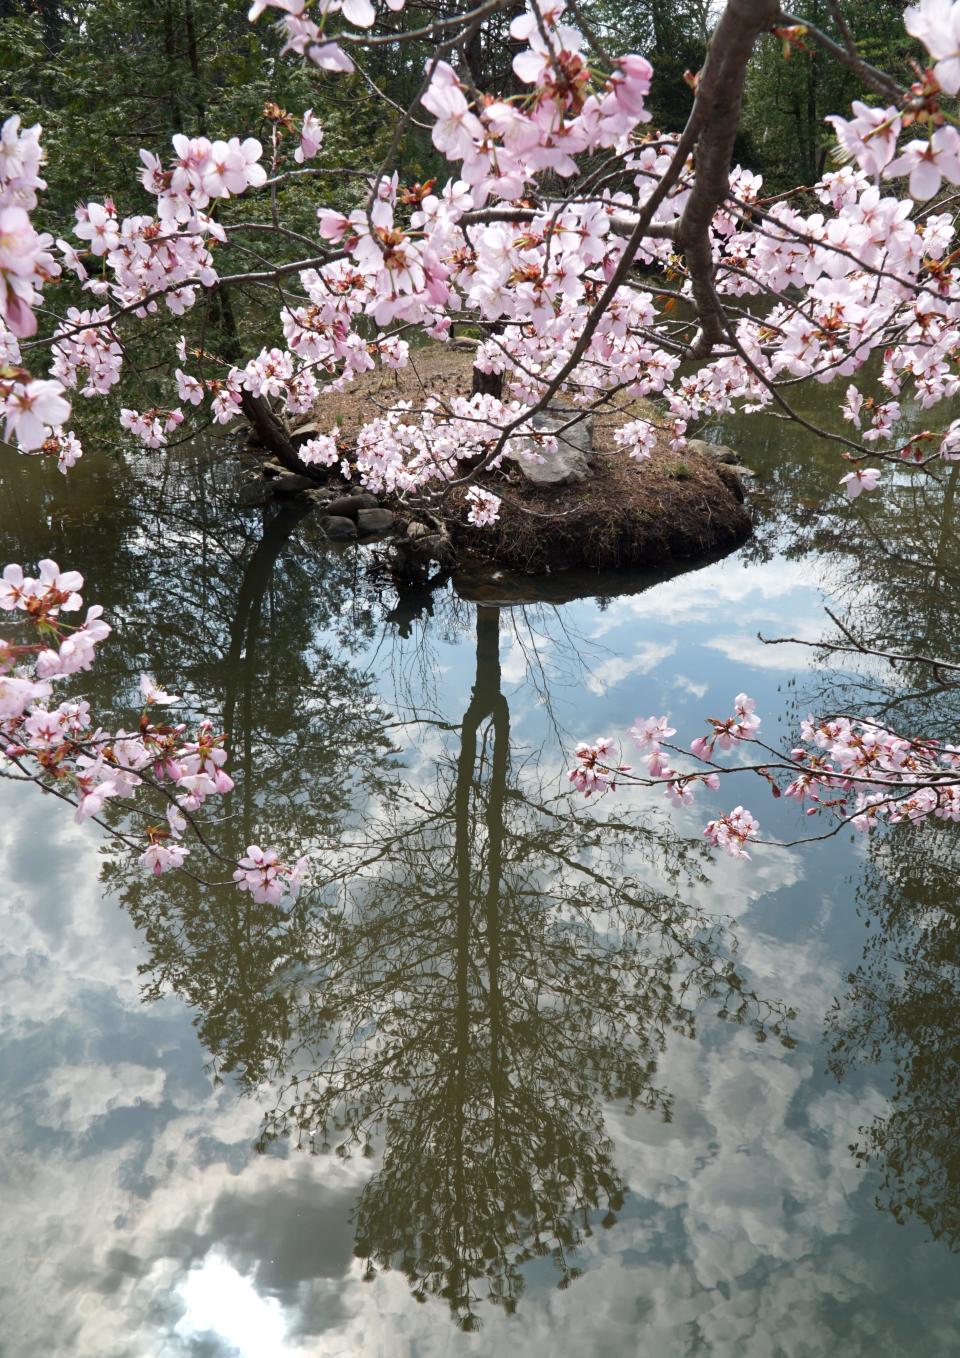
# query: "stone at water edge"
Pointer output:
{"type": "Point", "coordinates": [350, 504]}
{"type": "Point", "coordinates": [423, 545]}
{"type": "Point", "coordinates": [569, 463]}
{"type": "Point", "coordinates": [289, 485]}
{"type": "Point", "coordinates": [374, 520]}
{"type": "Point", "coordinates": [338, 529]}
{"type": "Point", "coordinates": [719, 452]}
{"type": "Point", "coordinates": [730, 476]}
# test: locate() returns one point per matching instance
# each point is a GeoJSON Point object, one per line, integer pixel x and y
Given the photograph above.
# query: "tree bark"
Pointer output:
{"type": "Point", "coordinates": [272, 434]}
{"type": "Point", "coordinates": [716, 112]}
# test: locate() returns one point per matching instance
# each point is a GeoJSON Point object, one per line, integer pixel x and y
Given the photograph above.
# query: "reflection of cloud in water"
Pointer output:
{"type": "Point", "coordinates": [712, 594]}
{"type": "Point", "coordinates": [688, 686]}
{"type": "Point", "coordinates": [146, 1220]}
{"type": "Point", "coordinates": [736, 885]}
{"type": "Point", "coordinates": [225, 1308]}
{"type": "Point", "coordinates": [72, 1098]}
{"type": "Point", "coordinates": [517, 651]}
{"type": "Point", "coordinates": [56, 935]}
{"type": "Point", "coordinates": [738, 1239]}
{"type": "Point", "coordinates": [747, 649]}
{"type": "Point", "coordinates": [606, 674]}
{"type": "Point", "coordinates": [733, 885]}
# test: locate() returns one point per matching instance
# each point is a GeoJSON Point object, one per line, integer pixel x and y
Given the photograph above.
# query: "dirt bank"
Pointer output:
{"type": "Point", "coordinates": [673, 508]}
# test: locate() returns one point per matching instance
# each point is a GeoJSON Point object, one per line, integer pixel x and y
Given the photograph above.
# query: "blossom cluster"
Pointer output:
{"type": "Point", "coordinates": [26, 261]}
{"type": "Point", "coordinates": [732, 832]}
{"type": "Point", "coordinates": [61, 745]}
{"type": "Point", "coordinates": [268, 880]}
{"type": "Point", "coordinates": [858, 771]}
{"type": "Point", "coordinates": [166, 254]}
{"type": "Point", "coordinates": [34, 410]}
{"type": "Point", "coordinates": [484, 507]}
{"type": "Point", "coordinates": [406, 449]}
{"type": "Point", "coordinates": [867, 773]}
{"type": "Point", "coordinates": [309, 39]}
{"type": "Point", "coordinates": [596, 769]}
{"type": "Point", "coordinates": [86, 355]}
{"type": "Point", "coordinates": [140, 259]}
{"type": "Point", "coordinates": [861, 279]}
{"type": "Point", "coordinates": [503, 144]}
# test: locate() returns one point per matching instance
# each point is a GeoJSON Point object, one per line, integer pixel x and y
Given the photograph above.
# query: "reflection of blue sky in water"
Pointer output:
{"type": "Point", "coordinates": [138, 1223]}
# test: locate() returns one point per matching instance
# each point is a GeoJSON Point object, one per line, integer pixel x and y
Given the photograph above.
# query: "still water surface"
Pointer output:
{"type": "Point", "coordinates": [572, 1087]}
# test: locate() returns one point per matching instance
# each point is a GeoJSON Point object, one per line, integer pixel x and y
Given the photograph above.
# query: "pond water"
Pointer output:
{"type": "Point", "coordinates": [518, 1073]}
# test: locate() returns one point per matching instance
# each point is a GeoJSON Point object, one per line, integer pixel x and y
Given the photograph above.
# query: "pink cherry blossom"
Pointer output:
{"type": "Point", "coordinates": [160, 858]}
{"type": "Point", "coordinates": [32, 409]}
{"type": "Point", "coordinates": [936, 23]}
{"type": "Point", "coordinates": [649, 732]}
{"type": "Point", "coordinates": [484, 507]}
{"type": "Point", "coordinates": [860, 479]}
{"type": "Point", "coordinates": [927, 162]}
{"type": "Point", "coordinates": [153, 695]}
{"type": "Point", "coordinates": [97, 224]}
{"type": "Point", "coordinates": [456, 129]}
{"type": "Point", "coordinates": [311, 138]}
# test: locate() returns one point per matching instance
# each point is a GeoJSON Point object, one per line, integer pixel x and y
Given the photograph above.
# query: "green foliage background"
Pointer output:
{"type": "Point", "coordinates": [106, 77]}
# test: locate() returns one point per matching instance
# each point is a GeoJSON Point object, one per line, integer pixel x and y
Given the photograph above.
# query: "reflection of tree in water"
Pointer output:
{"type": "Point", "coordinates": [301, 720]}
{"type": "Point", "coordinates": [901, 1009]}
{"type": "Point", "coordinates": [896, 586]}
{"type": "Point", "coordinates": [486, 963]}
{"type": "Point", "coordinates": [889, 562]}
{"type": "Point", "coordinates": [894, 583]}
{"type": "Point", "coordinates": [905, 600]}
{"type": "Point", "coordinates": [484, 966]}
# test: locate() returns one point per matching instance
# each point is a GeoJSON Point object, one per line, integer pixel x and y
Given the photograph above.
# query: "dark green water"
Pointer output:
{"type": "Point", "coordinates": [536, 1044]}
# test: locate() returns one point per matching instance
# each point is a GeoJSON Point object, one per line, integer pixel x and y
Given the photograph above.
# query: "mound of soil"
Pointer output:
{"type": "Point", "coordinates": [671, 509]}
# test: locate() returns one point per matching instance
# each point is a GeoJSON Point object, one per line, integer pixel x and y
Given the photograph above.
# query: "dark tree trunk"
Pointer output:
{"type": "Point", "coordinates": [487, 384]}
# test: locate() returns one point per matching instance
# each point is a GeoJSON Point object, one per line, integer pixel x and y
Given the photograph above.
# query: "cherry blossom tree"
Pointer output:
{"type": "Point", "coordinates": [602, 261]}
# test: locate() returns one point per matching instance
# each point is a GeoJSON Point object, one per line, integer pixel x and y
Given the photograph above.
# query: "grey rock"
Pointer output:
{"type": "Point", "coordinates": [374, 520]}
{"type": "Point", "coordinates": [730, 478]}
{"type": "Point", "coordinates": [338, 528]}
{"type": "Point", "coordinates": [350, 504]}
{"type": "Point", "coordinates": [436, 547]}
{"type": "Point", "coordinates": [271, 468]}
{"type": "Point", "coordinates": [304, 432]}
{"type": "Point", "coordinates": [289, 485]}
{"type": "Point", "coordinates": [718, 451]}
{"type": "Point", "coordinates": [423, 544]}
{"type": "Point", "coordinates": [569, 463]}
{"type": "Point", "coordinates": [320, 496]}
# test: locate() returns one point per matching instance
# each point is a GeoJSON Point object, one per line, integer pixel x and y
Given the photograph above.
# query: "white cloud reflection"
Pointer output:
{"type": "Point", "coordinates": [138, 1223]}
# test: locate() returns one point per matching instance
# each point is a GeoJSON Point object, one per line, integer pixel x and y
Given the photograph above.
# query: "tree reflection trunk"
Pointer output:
{"type": "Point", "coordinates": [240, 661]}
